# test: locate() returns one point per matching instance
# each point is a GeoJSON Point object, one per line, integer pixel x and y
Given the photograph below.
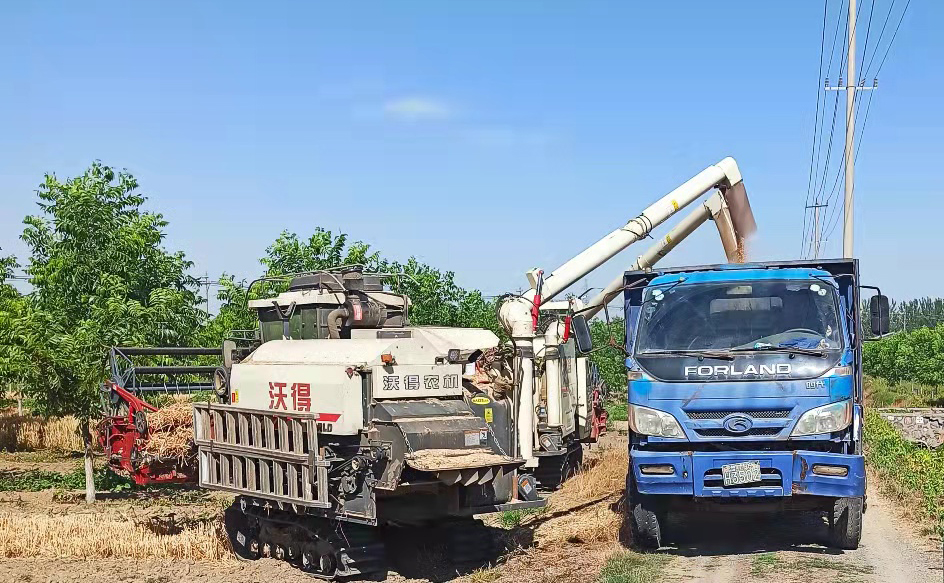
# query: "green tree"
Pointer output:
{"type": "Point", "coordinates": [609, 356]}
{"type": "Point", "coordinates": [11, 303]}
{"type": "Point", "coordinates": [435, 297]}
{"type": "Point", "coordinates": [100, 278]}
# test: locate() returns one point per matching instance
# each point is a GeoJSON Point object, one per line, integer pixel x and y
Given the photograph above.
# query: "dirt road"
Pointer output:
{"type": "Point", "coordinates": [715, 548]}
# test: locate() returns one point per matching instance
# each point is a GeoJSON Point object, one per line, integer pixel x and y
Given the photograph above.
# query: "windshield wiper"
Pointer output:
{"type": "Point", "coordinates": [720, 355]}
{"type": "Point", "coordinates": [786, 349]}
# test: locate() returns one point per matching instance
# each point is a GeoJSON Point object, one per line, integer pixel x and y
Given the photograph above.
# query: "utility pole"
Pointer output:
{"type": "Point", "coordinates": [851, 86]}
{"type": "Point", "coordinates": [848, 208]}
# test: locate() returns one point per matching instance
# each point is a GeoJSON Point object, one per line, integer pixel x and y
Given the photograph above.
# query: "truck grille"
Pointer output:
{"type": "Point", "coordinates": [756, 431]}
{"type": "Point", "coordinates": [764, 414]}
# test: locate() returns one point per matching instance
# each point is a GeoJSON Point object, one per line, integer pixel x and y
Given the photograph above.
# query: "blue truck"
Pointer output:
{"type": "Point", "coordinates": [745, 391]}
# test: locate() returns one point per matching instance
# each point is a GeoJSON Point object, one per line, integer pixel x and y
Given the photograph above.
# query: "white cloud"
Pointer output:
{"type": "Point", "coordinates": [415, 108]}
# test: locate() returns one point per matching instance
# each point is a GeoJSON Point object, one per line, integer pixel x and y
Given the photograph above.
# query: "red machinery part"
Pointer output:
{"type": "Point", "coordinates": [598, 423]}
{"type": "Point", "coordinates": [121, 439]}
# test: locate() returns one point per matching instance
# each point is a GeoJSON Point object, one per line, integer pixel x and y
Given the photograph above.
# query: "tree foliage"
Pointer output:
{"type": "Point", "coordinates": [436, 299]}
{"type": "Point", "coordinates": [100, 278]}
{"type": "Point", "coordinates": [609, 341]}
{"type": "Point", "coordinates": [916, 356]}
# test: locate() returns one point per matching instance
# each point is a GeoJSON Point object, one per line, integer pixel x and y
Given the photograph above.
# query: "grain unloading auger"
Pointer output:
{"type": "Point", "coordinates": [551, 421]}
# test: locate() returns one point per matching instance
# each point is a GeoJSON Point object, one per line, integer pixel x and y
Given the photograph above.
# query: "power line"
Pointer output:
{"type": "Point", "coordinates": [829, 148]}
{"type": "Point", "coordinates": [891, 7]}
{"type": "Point", "coordinates": [892, 41]}
{"type": "Point", "coordinates": [816, 121]}
{"type": "Point", "coordinates": [877, 71]}
{"type": "Point", "coordinates": [833, 218]}
{"type": "Point", "coordinates": [868, 31]}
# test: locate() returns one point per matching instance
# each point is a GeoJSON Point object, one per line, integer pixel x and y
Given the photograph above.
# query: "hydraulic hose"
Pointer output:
{"type": "Point", "coordinates": [335, 321]}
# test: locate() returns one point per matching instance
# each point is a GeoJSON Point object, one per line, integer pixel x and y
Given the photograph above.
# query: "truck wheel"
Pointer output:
{"type": "Point", "coordinates": [845, 523]}
{"type": "Point", "coordinates": [646, 524]}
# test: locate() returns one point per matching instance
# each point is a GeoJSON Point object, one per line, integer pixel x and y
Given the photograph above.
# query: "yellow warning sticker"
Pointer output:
{"type": "Point", "coordinates": [668, 239]}
{"type": "Point", "coordinates": [235, 397]}
{"type": "Point", "coordinates": [675, 204]}
{"type": "Point", "coordinates": [488, 415]}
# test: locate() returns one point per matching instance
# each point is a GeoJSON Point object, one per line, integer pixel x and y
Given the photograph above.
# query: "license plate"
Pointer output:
{"type": "Point", "coordinates": [741, 473]}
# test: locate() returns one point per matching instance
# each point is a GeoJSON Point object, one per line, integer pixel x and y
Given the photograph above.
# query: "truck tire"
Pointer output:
{"type": "Point", "coordinates": [646, 524]}
{"type": "Point", "coordinates": [845, 523]}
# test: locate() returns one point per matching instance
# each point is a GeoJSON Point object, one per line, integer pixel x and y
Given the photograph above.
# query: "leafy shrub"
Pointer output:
{"type": "Point", "coordinates": [881, 393]}
{"type": "Point", "coordinates": [616, 410]}
{"type": "Point", "coordinates": [912, 468]}
{"type": "Point", "coordinates": [907, 356]}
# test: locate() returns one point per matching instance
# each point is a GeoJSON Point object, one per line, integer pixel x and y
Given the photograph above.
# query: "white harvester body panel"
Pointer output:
{"type": "Point", "coordinates": [325, 389]}
{"type": "Point", "coordinates": [583, 390]}
{"type": "Point", "coordinates": [326, 376]}
{"type": "Point", "coordinates": [416, 381]}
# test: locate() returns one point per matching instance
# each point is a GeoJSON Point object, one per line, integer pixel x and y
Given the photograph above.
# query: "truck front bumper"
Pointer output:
{"type": "Point", "coordinates": [783, 473]}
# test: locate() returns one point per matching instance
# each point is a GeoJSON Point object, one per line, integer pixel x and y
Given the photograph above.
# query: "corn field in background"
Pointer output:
{"type": "Point", "coordinates": [27, 433]}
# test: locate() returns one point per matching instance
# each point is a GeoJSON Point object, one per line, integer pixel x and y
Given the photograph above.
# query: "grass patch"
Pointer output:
{"type": "Point", "coordinates": [510, 519]}
{"type": "Point", "coordinates": [881, 393]}
{"type": "Point", "coordinates": [764, 564]}
{"type": "Point", "coordinates": [39, 480]}
{"type": "Point", "coordinates": [616, 410]}
{"type": "Point", "coordinates": [912, 469]}
{"type": "Point", "coordinates": [632, 567]}
{"type": "Point", "coordinates": [484, 575]}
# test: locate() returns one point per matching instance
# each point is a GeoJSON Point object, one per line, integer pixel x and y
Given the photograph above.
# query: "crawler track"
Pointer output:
{"type": "Point", "coordinates": [323, 548]}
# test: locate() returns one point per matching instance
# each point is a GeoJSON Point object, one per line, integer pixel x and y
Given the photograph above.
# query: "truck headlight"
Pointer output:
{"type": "Point", "coordinates": [648, 421]}
{"type": "Point", "coordinates": [826, 419]}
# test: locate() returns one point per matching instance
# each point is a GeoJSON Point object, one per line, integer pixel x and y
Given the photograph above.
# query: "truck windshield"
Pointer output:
{"type": "Point", "coordinates": [739, 316]}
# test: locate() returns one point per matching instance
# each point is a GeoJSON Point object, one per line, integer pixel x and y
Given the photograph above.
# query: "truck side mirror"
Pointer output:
{"type": "Point", "coordinates": [878, 307]}
{"type": "Point", "coordinates": [582, 334]}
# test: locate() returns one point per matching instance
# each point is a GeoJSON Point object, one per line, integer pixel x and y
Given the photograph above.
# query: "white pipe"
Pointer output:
{"type": "Point", "coordinates": [525, 413]}
{"type": "Point", "coordinates": [713, 207]}
{"type": "Point", "coordinates": [515, 316]}
{"type": "Point", "coordinates": [724, 172]}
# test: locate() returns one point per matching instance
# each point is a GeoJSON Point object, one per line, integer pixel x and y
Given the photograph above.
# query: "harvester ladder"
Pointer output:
{"type": "Point", "coordinates": [272, 455]}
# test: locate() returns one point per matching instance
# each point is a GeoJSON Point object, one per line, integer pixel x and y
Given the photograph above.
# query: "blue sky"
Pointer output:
{"type": "Point", "coordinates": [483, 137]}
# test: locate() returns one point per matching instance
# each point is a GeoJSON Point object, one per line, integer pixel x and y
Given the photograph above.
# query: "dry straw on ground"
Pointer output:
{"type": "Point", "coordinates": [94, 536]}
{"type": "Point", "coordinates": [25, 433]}
{"type": "Point", "coordinates": [582, 510]}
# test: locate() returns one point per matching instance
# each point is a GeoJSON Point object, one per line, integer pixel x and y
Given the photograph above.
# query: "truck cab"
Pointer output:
{"type": "Point", "coordinates": [745, 392]}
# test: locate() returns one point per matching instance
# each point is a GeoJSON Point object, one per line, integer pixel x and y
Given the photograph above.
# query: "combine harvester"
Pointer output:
{"type": "Point", "coordinates": [343, 417]}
